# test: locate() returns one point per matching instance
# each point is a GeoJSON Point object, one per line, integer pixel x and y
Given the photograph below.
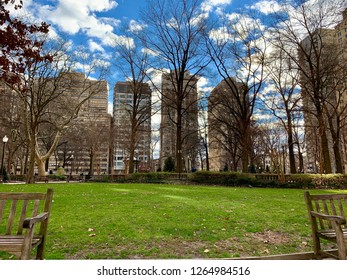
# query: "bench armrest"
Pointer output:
{"type": "Point", "coordinates": [29, 222]}
{"type": "Point", "coordinates": [340, 220]}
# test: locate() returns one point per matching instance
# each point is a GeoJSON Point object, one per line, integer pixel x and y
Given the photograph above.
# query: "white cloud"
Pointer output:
{"type": "Point", "coordinates": [116, 40]}
{"type": "Point", "coordinates": [204, 86]}
{"type": "Point", "coordinates": [150, 52]}
{"type": "Point", "coordinates": [94, 47]}
{"type": "Point", "coordinates": [75, 16]}
{"type": "Point", "coordinates": [135, 26]}
{"type": "Point", "coordinates": [267, 6]}
{"type": "Point", "coordinates": [220, 35]}
{"type": "Point", "coordinates": [208, 5]}
{"type": "Point", "coordinates": [110, 107]}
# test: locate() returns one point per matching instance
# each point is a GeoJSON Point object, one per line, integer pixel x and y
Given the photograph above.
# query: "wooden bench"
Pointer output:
{"type": "Point", "coordinates": [327, 214]}
{"type": "Point", "coordinates": [40, 179]}
{"type": "Point", "coordinates": [19, 215]}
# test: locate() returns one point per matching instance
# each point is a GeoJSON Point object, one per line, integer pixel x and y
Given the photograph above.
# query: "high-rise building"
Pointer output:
{"type": "Point", "coordinates": [189, 112]}
{"type": "Point", "coordinates": [84, 140]}
{"type": "Point", "coordinates": [341, 31]}
{"type": "Point", "coordinates": [224, 146]}
{"type": "Point", "coordinates": [84, 147]}
{"type": "Point", "coordinates": [323, 87]}
{"type": "Point", "coordinates": [341, 38]}
{"type": "Point", "coordinates": [132, 107]}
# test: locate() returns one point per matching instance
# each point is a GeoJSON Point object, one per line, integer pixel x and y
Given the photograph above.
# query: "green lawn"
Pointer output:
{"type": "Point", "coordinates": [112, 221]}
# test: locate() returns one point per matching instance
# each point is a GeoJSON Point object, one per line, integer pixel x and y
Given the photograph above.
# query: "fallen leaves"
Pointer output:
{"type": "Point", "coordinates": [91, 230]}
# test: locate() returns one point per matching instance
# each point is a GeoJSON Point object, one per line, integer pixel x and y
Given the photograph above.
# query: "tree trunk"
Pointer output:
{"type": "Point", "coordinates": [91, 162]}
{"type": "Point", "coordinates": [31, 167]}
{"type": "Point", "coordinates": [301, 159]}
{"type": "Point", "coordinates": [179, 141]}
{"type": "Point", "coordinates": [111, 148]}
{"type": "Point", "coordinates": [326, 163]}
{"type": "Point", "coordinates": [245, 147]}
{"type": "Point", "coordinates": [41, 165]}
{"type": "Point", "coordinates": [335, 132]}
{"type": "Point", "coordinates": [291, 151]}
{"type": "Point", "coordinates": [207, 156]}
{"type": "Point", "coordinates": [132, 150]}
{"type": "Point", "coordinates": [244, 159]}
{"type": "Point", "coordinates": [338, 159]}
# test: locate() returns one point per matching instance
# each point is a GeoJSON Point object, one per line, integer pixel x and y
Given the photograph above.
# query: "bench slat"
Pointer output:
{"type": "Point", "coordinates": [11, 216]}
{"type": "Point", "coordinates": [22, 196]}
{"type": "Point", "coordinates": [332, 233]}
{"type": "Point", "coordinates": [333, 209]}
{"type": "Point", "coordinates": [342, 211]}
{"type": "Point", "coordinates": [327, 196]}
{"type": "Point", "coordinates": [22, 216]}
{"type": "Point", "coordinates": [321, 223]}
{"type": "Point", "coordinates": [36, 207]}
{"type": "Point", "coordinates": [17, 213]}
{"type": "Point", "coordinates": [2, 207]}
{"type": "Point", "coordinates": [331, 224]}
{"type": "Point", "coordinates": [14, 243]}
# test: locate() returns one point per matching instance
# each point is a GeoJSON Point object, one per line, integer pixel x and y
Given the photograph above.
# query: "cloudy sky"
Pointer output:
{"type": "Point", "coordinates": [96, 24]}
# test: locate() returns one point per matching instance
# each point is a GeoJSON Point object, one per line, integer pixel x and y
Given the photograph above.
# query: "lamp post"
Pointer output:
{"type": "Point", "coordinates": [4, 140]}
{"type": "Point", "coordinates": [136, 161]}
{"type": "Point", "coordinates": [284, 164]}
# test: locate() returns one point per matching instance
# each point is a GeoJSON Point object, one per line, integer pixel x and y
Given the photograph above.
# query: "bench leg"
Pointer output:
{"type": "Point", "coordinates": [316, 247]}
{"type": "Point", "coordinates": [41, 250]}
{"type": "Point", "coordinates": [340, 243]}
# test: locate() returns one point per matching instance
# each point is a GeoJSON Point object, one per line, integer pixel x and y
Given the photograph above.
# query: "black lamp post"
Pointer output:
{"type": "Point", "coordinates": [136, 161]}
{"type": "Point", "coordinates": [284, 159]}
{"type": "Point", "coordinates": [4, 140]}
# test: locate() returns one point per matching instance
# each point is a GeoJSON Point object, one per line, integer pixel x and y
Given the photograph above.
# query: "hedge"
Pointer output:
{"type": "Point", "coordinates": [331, 181]}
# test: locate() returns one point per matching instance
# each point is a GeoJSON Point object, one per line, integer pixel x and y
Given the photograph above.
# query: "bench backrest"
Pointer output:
{"type": "Point", "coordinates": [15, 207]}
{"type": "Point", "coordinates": [329, 204]}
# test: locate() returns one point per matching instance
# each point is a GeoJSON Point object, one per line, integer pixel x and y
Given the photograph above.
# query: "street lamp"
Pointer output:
{"type": "Point", "coordinates": [284, 159]}
{"type": "Point", "coordinates": [4, 140]}
{"type": "Point", "coordinates": [136, 161]}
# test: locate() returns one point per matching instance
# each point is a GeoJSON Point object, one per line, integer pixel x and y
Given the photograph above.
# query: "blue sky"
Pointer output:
{"type": "Point", "coordinates": [96, 24]}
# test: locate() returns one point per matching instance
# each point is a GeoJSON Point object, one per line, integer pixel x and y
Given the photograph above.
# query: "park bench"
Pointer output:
{"type": "Point", "coordinates": [327, 214]}
{"type": "Point", "coordinates": [20, 213]}
{"type": "Point", "coordinates": [41, 179]}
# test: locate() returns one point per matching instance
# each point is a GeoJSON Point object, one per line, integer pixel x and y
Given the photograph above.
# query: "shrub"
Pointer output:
{"type": "Point", "coordinates": [330, 181]}
{"type": "Point", "coordinates": [222, 178]}
{"type": "Point", "coordinates": [169, 165]}
{"type": "Point", "coordinates": [57, 177]}
{"type": "Point", "coordinates": [153, 177]}
{"type": "Point", "coordinates": [4, 174]}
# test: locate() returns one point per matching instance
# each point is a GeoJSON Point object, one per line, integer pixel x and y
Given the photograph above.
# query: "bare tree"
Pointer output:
{"type": "Point", "coordinates": [238, 50]}
{"type": "Point", "coordinates": [309, 31]}
{"type": "Point", "coordinates": [223, 128]}
{"type": "Point", "coordinates": [203, 136]}
{"type": "Point", "coordinates": [270, 137]}
{"type": "Point", "coordinates": [284, 100]}
{"type": "Point", "coordinates": [52, 96]}
{"type": "Point", "coordinates": [133, 62]}
{"type": "Point", "coordinates": [173, 35]}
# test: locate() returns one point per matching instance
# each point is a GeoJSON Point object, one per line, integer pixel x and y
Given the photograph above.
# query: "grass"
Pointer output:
{"type": "Point", "coordinates": [128, 221]}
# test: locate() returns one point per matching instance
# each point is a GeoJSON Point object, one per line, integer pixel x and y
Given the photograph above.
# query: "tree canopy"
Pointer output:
{"type": "Point", "coordinates": [19, 43]}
